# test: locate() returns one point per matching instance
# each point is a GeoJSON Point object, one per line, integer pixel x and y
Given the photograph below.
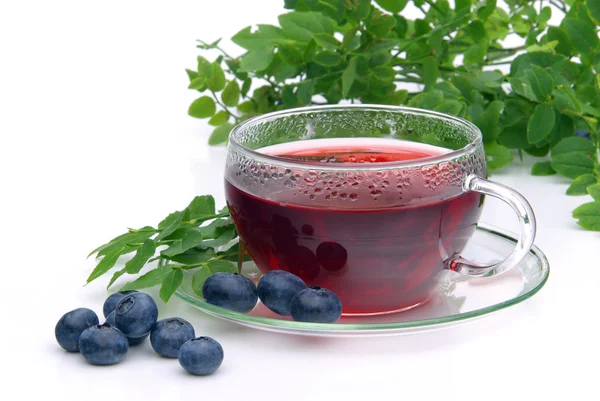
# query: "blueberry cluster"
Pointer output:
{"type": "Point", "coordinates": [131, 317]}
{"type": "Point", "coordinates": [280, 291]}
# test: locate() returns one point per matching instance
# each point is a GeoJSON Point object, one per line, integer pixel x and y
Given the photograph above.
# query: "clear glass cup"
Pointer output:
{"type": "Point", "coordinates": [378, 234]}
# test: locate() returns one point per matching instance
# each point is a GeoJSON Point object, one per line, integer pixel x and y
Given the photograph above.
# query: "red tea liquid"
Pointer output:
{"type": "Point", "coordinates": [376, 258]}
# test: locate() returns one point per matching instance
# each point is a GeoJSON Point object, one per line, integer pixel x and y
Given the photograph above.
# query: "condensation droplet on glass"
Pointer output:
{"type": "Point", "coordinates": [343, 195]}
{"type": "Point", "coordinates": [353, 196]}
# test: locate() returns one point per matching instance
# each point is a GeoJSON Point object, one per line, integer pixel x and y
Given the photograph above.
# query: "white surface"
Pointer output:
{"type": "Point", "coordinates": [95, 138]}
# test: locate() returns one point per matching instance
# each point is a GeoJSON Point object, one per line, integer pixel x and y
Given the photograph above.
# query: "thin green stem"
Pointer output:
{"type": "Point", "coordinates": [224, 107]}
{"type": "Point", "coordinates": [562, 8]}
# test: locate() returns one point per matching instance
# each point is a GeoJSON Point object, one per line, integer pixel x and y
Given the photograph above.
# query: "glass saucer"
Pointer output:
{"type": "Point", "coordinates": [459, 299]}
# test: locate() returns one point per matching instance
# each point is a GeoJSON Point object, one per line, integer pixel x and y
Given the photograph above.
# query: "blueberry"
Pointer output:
{"type": "Point", "coordinates": [201, 356]}
{"type": "Point", "coordinates": [137, 341]}
{"type": "Point", "coordinates": [168, 335]}
{"type": "Point", "coordinates": [71, 325]}
{"type": "Point", "coordinates": [136, 314]}
{"type": "Point", "coordinates": [277, 288]}
{"type": "Point", "coordinates": [583, 133]}
{"type": "Point", "coordinates": [103, 345]}
{"type": "Point", "coordinates": [111, 302]}
{"type": "Point", "coordinates": [110, 319]}
{"type": "Point", "coordinates": [316, 305]}
{"type": "Point", "coordinates": [230, 291]}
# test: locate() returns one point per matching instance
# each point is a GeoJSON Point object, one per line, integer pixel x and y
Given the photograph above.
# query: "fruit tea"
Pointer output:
{"type": "Point", "coordinates": [370, 241]}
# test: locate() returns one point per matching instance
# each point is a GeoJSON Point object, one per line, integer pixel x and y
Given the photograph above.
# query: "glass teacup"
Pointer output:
{"type": "Point", "coordinates": [371, 202]}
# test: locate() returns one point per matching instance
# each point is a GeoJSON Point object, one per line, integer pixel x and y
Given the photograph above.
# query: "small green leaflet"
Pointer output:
{"type": "Point", "coordinates": [190, 238]}
{"type": "Point", "coordinates": [200, 209]}
{"type": "Point", "coordinates": [580, 184]}
{"type": "Point", "coordinates": [150, 279]}
{"type": "Point", "coordinates": [488, 121]}
{"type": "Point", "coordinates": [265, 37]}
{"type": "Point", "coordinates": [107, 263]}
{"type": "Point", "coordinates": [220, 134]}
{"type": "Point", "coordinates": [594, 10]}
{"type": "Point", "coordinates": [541, 123]}
{"type": "Point", "coordinates": [199, 278]}
{"type": "Point", "coordinates": [348, 77]}
{"type": "Point", "coordinates": [541, 81]}
{"type": "Point", "coordinates": [594, 190]}
{"type": "Point", "coordinates": [145, 252]}
{"type": "Point", "coordinates": [497, 155]}
{"type": "Point", "coordinates": [256, 60]}
{"type": "Point", "coordinates": [573, 144]}
{"type": "Point", "coordinates": [216, 265]}
{"type": "Point", "coordinates": [542, 169]}
{"type": "Point", "coordinates": [572, 164]}
{"type": "Point", "coordinates": [302, 26]}
{"type": "Point", "coordinates": [202, 107]}
{"type": "Point", "coordinates": [393, 6]}
{"type": "Point", "coordinates": [231, 94]}
{"type": "Point", "coordinates": [220, 118]}
{"type": "Point", "coordinates": [170, 284]}
{"type": "Point", "coordinates": [588, 215]}
{"type": "Point", "coordinates": [582, 35]}
{"type": "Point", "coordinates": [193, 256]}
{"type": "Point", "coordinates": [115, 276]}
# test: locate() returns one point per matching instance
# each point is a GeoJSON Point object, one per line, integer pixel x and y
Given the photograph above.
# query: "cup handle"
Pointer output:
{"type": "Point", "coordinates": [526, 221]}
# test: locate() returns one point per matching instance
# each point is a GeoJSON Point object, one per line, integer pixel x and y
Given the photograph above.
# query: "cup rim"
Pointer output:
{"type": "Point", "coordinates": [289, 163]}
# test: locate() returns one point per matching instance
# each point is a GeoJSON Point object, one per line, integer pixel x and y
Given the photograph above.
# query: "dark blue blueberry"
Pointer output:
{"type": "Point", "coordinates": [103, 345]}
{"type": "Point", "coordinates": [136, 314]}
{"type": "Point", "coordinates": [277, 288]}
{"type": "Point", "coordinates": [137, 341]}
{"type": "Point", "coordinates": [316, 305]}
{"type": "Point", "coordinates": [111, 302]}
{"type": "Point", "coordinates": [583, 133]}
{"type": "Point", "coordinates": [168, 335]}
{"type": "Point", "coordinates": [201, 356]}
{"type": "Point", "coordinates": [231, 291]}
{"type": "Point", "coordinates": [110, 319]}
{"type": "Point", "coordinates": [71, 325]}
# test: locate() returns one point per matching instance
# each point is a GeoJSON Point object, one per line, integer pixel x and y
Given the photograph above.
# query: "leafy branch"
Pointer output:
{"type": "Point", "coordinates": [197, 238]}
{"type": "Point", "coordinates": [449, 59]}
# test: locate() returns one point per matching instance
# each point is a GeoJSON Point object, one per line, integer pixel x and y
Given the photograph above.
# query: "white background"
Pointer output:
{"type": "Point", "coordinates": [95, 138]}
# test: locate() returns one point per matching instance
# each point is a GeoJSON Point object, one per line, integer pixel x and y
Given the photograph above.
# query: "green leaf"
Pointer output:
{"type": "Point", "coordinates": [462, 5]}
{"type": "Point", "coordinates": [326, 41]}
{"type": "Point", "coordinates": [205, 68]}
{"type": "Point", "coordinates": [302, 26]}
{"type": "Point", "coordinates": [266, 37]}
{"type": "Point", "coordinates": [216, 265]}
{"type": "Point", "coordinates": [572, 164]}
{"type": "Point", "coordinates": [384, 73]}
{"type": "Point", "coordinates": [125, 241]}
{"type": "Point", "coordinates": [220, 134]}
{"type": "Point", "coordinates": [193, 256]}
{"type": "Point", "coordinates": [497, 155]}
{"type": "Point", "coordinates": [170, 283]}
{"type": "Point", "coordinates": [559, 35]}
{"type": "Point", "coordinates": [393, 6]}
{"type": "Point", "coordinates": [450, 107]}
{"type": "Point", "coordinates": [310, 51]}
{"type": "Point", "coordinates": [145, 252]}
{"type": "Point", "coordinates": [584, 38]}
{"type": "Point", "coordinates": [221, 117]}
{"type": "Point", "coordinates": [542, 169]}
{"type": "Point", "coordinates": [169, 224]}
{"type": "Point", "coordinates": [226, 234]}
{"type": "Point", "coordinates": [246, 87]}
{"type": "Point", "coordinates": [593, 7]}
{"type": "Point", "coordinates": [199, 278]}
{"type": "Point", "coordinates": [107, 263]}
{"type": "Point", "coordinates": [328, 59]}
{"type": "Point", "coordinates": [231, 94]}
{"type": "Point", "coordinates": [588, 215]}
{"type": "Point", "coordinates": [541, 81]}
{"type": "Point", "coordinates": [199, 209]}
{"type": "Point", "coordinates": [191, 239]}
{"type": "Point", "coordinates": [215, 228]}
{"type": "Point", "coordinates": [115, 277]}
{"type": "Point", "coordinates": [431, 72]}
{"type": "Point", "coordinates": [541, 123]}
{"type": "Point", "coordinates": [523, 87]}
{"type": "Point", "coordinates": [488, 121]}
{"type": "Point", "coordinates": [580, 184]}
{"type": "Point", "coordinates": [150, 279]}
{"type": "Point", "coordinates": [594, 190]}
{"type": "Point", "coordinates": [573, 144]}
{"type": "Point", "coordinates": [256, 60]}
{"type": "Point", "coordinates": [565, 100]}
{"type": "Point", "coordinates": [349, 76]}
{"type": "Point", "coordinates": [203, 107]}
{"type": "Point", "coordinates": [305, 91]}
{"type": "Point", "coordinates": [198, 83]}
{"type": "Point", "coordinates": [217, 81]}
{"type": "Point", "coordinates": [247, 107]}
